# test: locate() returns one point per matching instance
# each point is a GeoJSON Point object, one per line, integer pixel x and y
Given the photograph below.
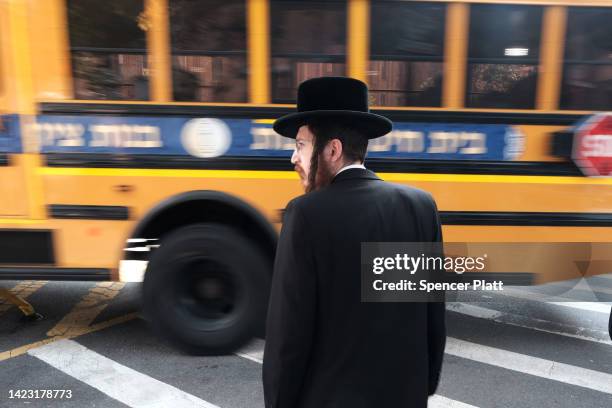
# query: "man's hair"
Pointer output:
{"type": "Point", "coordinates": [354, 143]}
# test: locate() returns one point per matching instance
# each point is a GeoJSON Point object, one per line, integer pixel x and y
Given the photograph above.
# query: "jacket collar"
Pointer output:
{"type": "Point", "coordinates": [355, 173]}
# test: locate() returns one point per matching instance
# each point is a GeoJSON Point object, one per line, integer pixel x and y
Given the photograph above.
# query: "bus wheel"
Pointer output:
{"type": "Point", "coordinates": [206, 289]}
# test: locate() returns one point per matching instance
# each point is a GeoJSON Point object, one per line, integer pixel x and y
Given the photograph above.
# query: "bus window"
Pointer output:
{"type": "Point", "coordinates": [108, 49]}
{"type": "Point", "coordinates": [406, 53]}
{"type": "Point", "coordinates": [587, 72]}
{"type": "Point", "coordinates": [308, 39]}
{"type": "Point", "coordinates": [503, 56]}
{"type": "Point", "coordinates": [209, 43]}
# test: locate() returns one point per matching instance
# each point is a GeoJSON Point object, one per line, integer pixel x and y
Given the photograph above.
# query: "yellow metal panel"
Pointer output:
{"type": "Point", "coordinates": [549, 260]}
{"type": "Point", "coordinates": [455, 55]}
{"type": "Point", "coordinates": [34, 186]}
{"type": "Point", "coordinates": [158, 44]}
{"type": "Point", "coordinates": [21, 187]}
{"type": "Point", "coordinates": [290, 175]}
{"type": "Point", "coordinates": [4, 47]}
{"type": "Point", "coordinates": [258, 50]}
{"type": "Point", "coordinates": [20, 99]}
{"type": "Point", "coordinates": [496, 179]}
{"type": "Point", "coordinates": [99, 243]}
{"type": "Point", "coordinates": [12, 189]}
{"type": "Point", "coordinates": [11, 222]}
{"type": "Point", "coordinates": [50, 49]}
{"type": "Point", "coordinates": [264, 191]}
{"type": "Point", "coordinates": [551, 57]}
{"type": "Point", "coordinates": [358, 37]}
{"type": "Point", "coordinates": [21, 92]}
{"type": "Point", "coordinates": [89, 243]}
{"type": "Point", "coordinates": [229, 174]}
{"type": "Point", "coordinates": [81, 243]}
{"type": "Point", "coordinates": [538, 142]}
{"type": "Point", "coordinates": [270, 189]}
{"type": "Point", "coordinates": [5, 58]}
{"type": "Point", "coordinates": [93, 243]}
{"type": "Point", "coordinates": [508, 233]}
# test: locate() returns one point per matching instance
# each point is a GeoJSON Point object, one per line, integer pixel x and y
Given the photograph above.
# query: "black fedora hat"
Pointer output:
{"type": "Point", "coordinates": [341, 98]}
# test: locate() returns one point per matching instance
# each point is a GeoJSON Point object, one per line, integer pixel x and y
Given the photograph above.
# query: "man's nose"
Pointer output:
{"type": "Point", "coordinates": [294, 157]}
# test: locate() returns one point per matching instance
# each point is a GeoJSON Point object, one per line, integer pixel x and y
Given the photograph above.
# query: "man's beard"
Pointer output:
{"type": "Point", "coordinates": [324, 175]}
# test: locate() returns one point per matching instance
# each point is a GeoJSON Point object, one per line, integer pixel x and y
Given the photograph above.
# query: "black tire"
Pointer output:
{"type": "Point", "coordinates": [206, 289]}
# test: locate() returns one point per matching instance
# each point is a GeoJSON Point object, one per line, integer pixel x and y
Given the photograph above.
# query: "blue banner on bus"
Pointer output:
{"type": "Point", "coordinates": [214, 137]}
{"type": "Point", "coordinates": [10, 142]}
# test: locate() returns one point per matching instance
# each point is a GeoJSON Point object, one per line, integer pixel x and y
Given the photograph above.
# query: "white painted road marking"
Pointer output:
{"type": "Point", "coordinates": [598, 336]}
{"type": "Point", "coordinates": [115, 380]}
{"type": "Point", "coordinates": [599, 307]}
{"type": "Point", "coordinates": [255, 351]}
{"type": "Point", "coordinates": [552, 370]}
{"type": "Point", "coordinates": [438, 401]}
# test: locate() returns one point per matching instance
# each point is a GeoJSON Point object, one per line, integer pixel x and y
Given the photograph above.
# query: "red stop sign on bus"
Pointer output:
{"type": "Point", "coordinates": [592, 147]}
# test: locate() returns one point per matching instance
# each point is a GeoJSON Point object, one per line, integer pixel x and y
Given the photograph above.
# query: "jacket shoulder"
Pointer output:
{"type": "Point", "coordinates": [306, 201]}
{"type": "Point", "coordinates": [412, 193]}
{"type": "Point", "coordinates": [298, 205]}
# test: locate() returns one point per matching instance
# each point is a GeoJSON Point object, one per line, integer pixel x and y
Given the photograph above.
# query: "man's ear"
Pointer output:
{"type": "Point", "coordinates": [336, 149]}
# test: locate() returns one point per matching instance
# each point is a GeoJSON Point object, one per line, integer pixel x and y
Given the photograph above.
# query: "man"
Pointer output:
{"type": "Point", "coordinates": [324, 347]}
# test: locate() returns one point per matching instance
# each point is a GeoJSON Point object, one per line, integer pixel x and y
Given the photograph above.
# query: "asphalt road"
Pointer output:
{"type": "Point", "coordinates": [517, 349]}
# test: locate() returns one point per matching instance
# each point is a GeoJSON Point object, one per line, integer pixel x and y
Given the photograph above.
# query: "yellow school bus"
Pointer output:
{"type": "Point", "coordinates": [141, 130]}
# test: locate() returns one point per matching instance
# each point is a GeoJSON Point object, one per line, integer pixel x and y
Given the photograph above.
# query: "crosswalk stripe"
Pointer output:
{"type": "Point", "coordinates": [599, 307]}
{"type": "Point", "coordinates": [552, 370]}
{"type": "Point", "coordinates": [536, 366]}
{"type": "Point", "coordinates": [115, 380]}
{"type": "Point", "coordinates": [531, 323]}
{"type": "Point", "coordinates": [568, 288]}
{"type": "Point", "coordinates": [588, 306]}
{"type": "Point", "coordinates": [438, 401]}
{"type": "Point", "coordinates": [254, 351]}
{"type": "Point", "coordinates": [583, 285]}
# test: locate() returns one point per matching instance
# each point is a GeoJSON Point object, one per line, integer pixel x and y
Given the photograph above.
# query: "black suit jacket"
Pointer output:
{"type": "Point", "coordinates": [324, 347]}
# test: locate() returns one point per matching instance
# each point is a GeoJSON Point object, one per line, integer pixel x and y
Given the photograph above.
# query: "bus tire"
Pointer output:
{"type": "Point", "coordinates": [206, 289]}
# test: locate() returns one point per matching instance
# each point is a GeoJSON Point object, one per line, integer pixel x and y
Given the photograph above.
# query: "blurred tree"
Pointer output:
{"type": "Point", "coordinates": [100, 81]}
{"type": "Point", "coordinates": [106, 24]}
{"type": "Point", "coordinates": [97, 30]}
{"type": "Point", "coordinates": [211, 25]}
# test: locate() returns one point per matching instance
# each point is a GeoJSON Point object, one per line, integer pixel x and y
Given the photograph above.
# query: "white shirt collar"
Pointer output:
{"type": "Point", "coordinates": [351, 166]}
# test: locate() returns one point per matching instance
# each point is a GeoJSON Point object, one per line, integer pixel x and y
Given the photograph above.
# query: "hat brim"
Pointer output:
{"type": "Point", "coordinates": [371, 124]}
